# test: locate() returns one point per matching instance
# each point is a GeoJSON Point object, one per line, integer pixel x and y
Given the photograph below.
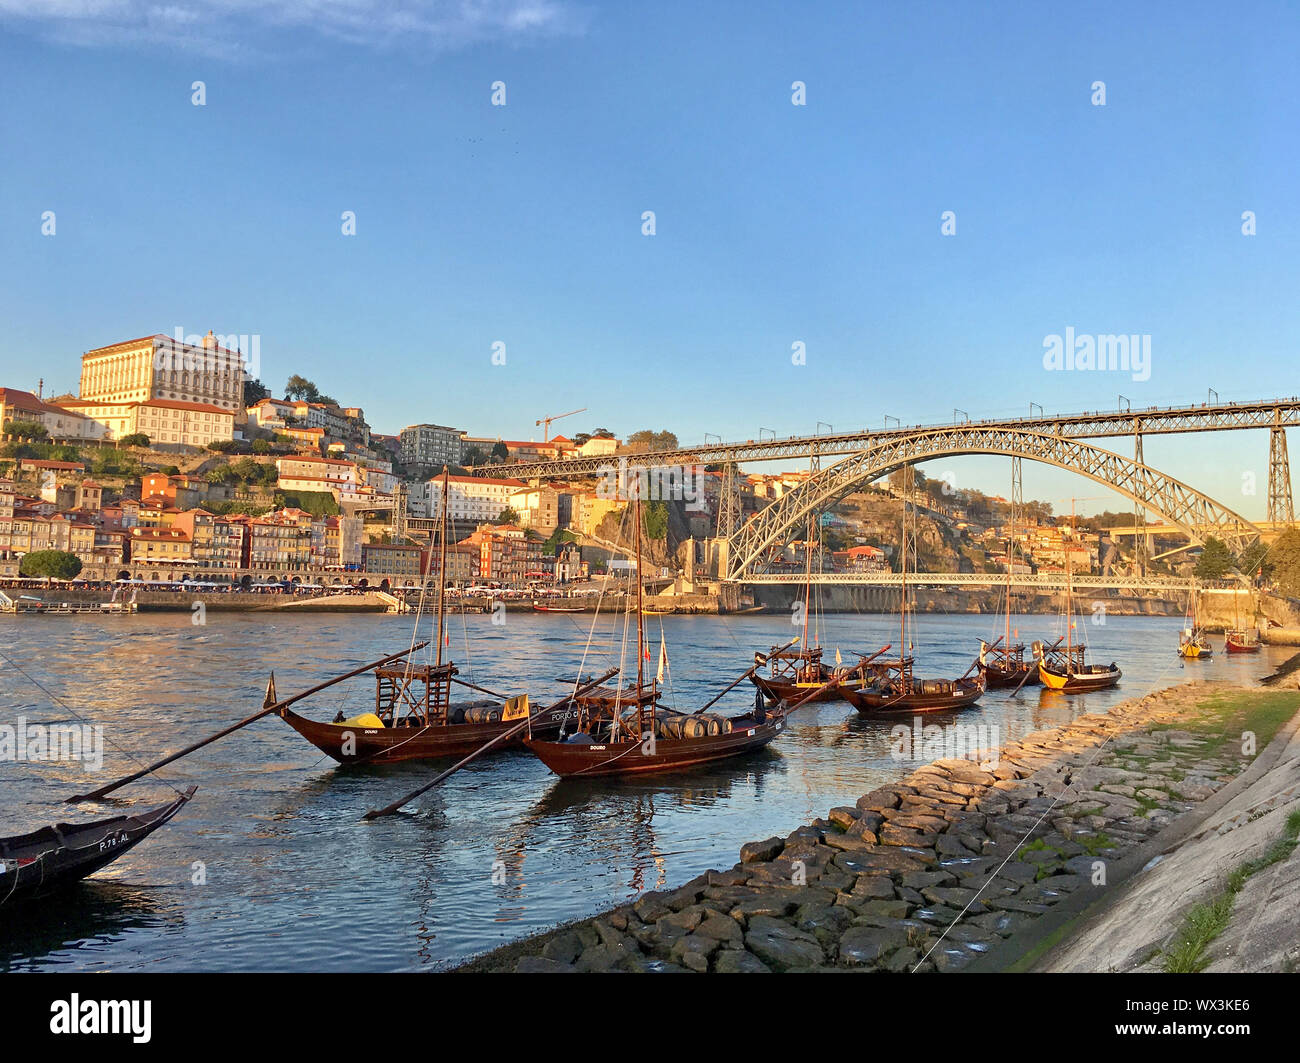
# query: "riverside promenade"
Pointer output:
{"type": "Point", "coordinates": [961, 864]}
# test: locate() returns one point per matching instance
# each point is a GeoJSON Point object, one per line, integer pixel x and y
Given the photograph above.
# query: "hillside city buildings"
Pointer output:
{"type": "Point", "coordinates": [319, 492]}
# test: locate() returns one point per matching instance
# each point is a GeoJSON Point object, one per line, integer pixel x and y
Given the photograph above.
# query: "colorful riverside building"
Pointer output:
{"type": "Point", "coordinates": [507, 554]}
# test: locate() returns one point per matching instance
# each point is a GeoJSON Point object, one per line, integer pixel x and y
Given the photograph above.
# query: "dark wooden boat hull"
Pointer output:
{"type": "Point", "coordinates": [388, 745]}
{"type": "Point", "coordinates": [873, 703]}
{"type": "Point", "coordinates": [996, 678]}
{"type": "Point", "coordinates": [569, 760]}
{"type": "Point", "coordinates": [52, 858]}
{"type": "Point", "coordinates": [790, 691]}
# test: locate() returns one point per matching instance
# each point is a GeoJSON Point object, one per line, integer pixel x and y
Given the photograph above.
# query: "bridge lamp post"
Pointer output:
{"type": "Point", "coordinates": [964, 415]}
{"type": "Point", "coordinates": [897, 422]}
{"type": "Point", "coordinates": [830, 428]}
{"type": "Point", "coordinates": [1212, 396]}
{"type": "Point", "coordinates": [1124, 406]}
{"type": "Point", "coordinates": [762, 430]}
{"type": "Point", "coordinates": [1034, 406]}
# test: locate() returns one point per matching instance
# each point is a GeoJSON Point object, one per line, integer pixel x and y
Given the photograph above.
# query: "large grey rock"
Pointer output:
{"type": "Point", "coordinates": [737, 961]}
{"type": "Point", "coordinates": [761, 852]}
{"type": "Point", "coordinates": [867, 945]}
{"type": "Point", "coordinates": [781, 946]}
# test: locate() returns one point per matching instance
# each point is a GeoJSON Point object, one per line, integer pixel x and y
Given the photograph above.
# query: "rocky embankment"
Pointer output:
{"type": "Point", "coordinates": [931, 872]}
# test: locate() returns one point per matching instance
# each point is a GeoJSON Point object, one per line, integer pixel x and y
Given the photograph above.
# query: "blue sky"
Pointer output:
{"type": "Point", "coordinates": [774, 223]}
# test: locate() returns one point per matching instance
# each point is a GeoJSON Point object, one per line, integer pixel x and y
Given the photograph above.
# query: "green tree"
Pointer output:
{"type": "Point", "coordinates": [1285, 559]}
{"type": "Point", "coordinates": [500, 452]}
{"type": "Point", "coordinates": [648, 440]}
{"type": "Point", "coordinates": [255, 391]}
{"type": "Point", "coordinates": [302, 389]}
{"type": "Point", "coordinates": [1255, 562]}
{"type": "Point", "coordinates": [247, 469]}
{"type": "Point", "coordinates": [474, 456]}
{"type": "Point", "coordinates": [509, 515]}
{"type": "Point", "coordinates": [134, 439]}
{"type": "Point", "coordinates": [655, 519]}
{"type": "Point", "coordinates": [223, 446]}
{"type": "Point", "coordinates": [56, 564]}
{"type": "Point", "coordinates": [261, 446]}
{"type": "Point", "coordinates": [1215, 561]}
{"type": "Point", "coordinates": [30, 430]}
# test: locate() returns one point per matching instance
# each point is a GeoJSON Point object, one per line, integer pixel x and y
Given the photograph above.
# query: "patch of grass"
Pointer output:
{"type": "Point", "coordinates": [1094, 844]}
{"type": "Point", "coordinates": [1189, 954]}
{"type": "Point", "coordinates": [1222, 718]}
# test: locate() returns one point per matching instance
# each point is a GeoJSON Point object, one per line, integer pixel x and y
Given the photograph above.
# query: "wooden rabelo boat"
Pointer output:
{"type": "Point", "coordinates": [414, 717]}
{"type": "Point", "coordinates": [1192, 643]}
{"type": "Point", "coordinates": [48, 859]}
{"type": "Point", "coordinates": [888, 686]}
{"type": "Point", "coordinates": [1007, 666]}
{"type": "Point", "coordinates": [1002, 662]}
{"type": "Point", "coordinates": [792, 674]}
{"type": "Point", "coordinates": [1239, 639]}
{"type": "Point", "coordinates": [624, 729]}
{"type": "Point", "coordinates": [800, 674]}
{"type": "Point", "coordinates": [1066, 668]}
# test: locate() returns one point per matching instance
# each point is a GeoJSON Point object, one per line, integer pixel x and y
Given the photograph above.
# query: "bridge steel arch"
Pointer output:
{"type": "Point", "coordinates": [1178, 503]}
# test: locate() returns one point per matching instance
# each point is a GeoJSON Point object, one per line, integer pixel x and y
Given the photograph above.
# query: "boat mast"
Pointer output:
{"type": "Point", "coordinates": [807, 587]}
{"type": "Point", "coordinates": [1011, 548]}
{"type": "Point", "coordinates": [902, 609]}
{"type": "Point", "coordinates": [1069, 597]}
{"type": "Point", "coordinates": [640, 615]}
{"type": "Point", "coordinates": [442, 561]}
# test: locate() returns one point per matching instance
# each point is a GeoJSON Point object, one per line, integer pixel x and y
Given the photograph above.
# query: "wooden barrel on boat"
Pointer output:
{"type": "Point", "coordinates": [694, 727]}
{"type": "Point", "coordinates": [483, 714]}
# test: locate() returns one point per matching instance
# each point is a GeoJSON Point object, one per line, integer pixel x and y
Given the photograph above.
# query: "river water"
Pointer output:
{"type": "Point", "coordinates": [290, 878]}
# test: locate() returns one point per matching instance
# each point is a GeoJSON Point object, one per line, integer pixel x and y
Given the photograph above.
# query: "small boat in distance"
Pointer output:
{"type": "Point", "coordinates": [51, 858]}
{"type": "Point", "coordinates": [1002, 663]}
{"type": "Point", "coordinates": [888, 686]}
{"type": "Point", "coordinates": [1192, 643]}
{"type": "Point", "coordinates": [1066, 668]}
{"type": "Point", "coordinates": [1239, 639]}
{"type": "Point", "coordinates": [539, 607]}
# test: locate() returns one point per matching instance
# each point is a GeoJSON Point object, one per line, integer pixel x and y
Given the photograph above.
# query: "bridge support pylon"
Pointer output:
{"type": "Point", "coordinates": [1281, 510]}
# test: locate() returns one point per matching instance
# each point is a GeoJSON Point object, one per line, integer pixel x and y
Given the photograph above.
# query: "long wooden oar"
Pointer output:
{"type": "Point", "coordinates": [388, 810]}
{"type": "Point", "coordinates": [265, 710]}
{"type": "Point", "coordinates": [732, 686]}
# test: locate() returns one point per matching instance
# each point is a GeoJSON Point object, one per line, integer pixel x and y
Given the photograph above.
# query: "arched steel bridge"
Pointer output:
{"type": "Point", "coordinates": [1055, 440]}
{"type": "Point", "coordinates": [1098, 424]}
{"type": "Point", "coordinates": [1198, 515]}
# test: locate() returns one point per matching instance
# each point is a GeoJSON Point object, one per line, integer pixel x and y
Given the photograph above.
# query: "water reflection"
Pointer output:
{"type": "Point", "coordinates": [499, 850]}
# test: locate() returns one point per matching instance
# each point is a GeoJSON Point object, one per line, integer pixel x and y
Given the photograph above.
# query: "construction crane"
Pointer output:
{"type": "Point", "coordinates": [546, 435]}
